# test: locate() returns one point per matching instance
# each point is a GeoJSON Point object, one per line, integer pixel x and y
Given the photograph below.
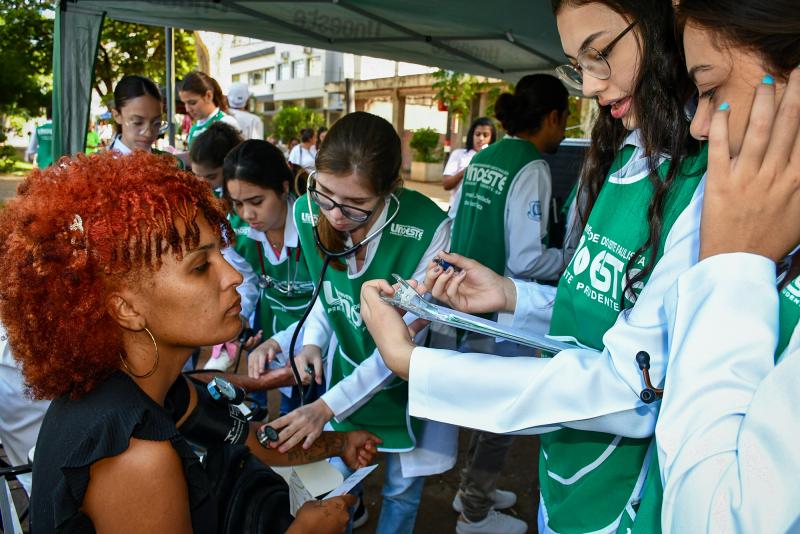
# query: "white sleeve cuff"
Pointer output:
{"type": "Point", "coordinates": [534, 307]}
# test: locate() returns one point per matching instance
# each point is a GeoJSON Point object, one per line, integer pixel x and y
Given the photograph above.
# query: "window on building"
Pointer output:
{"type": "Point", "coordinates": [283, 71]}
{"type": "Point", "coordinates": [236, 78]}
{"type": "Point", "coordinates": [315, 66]}
{"type": "Point", "coordinates": [255, 77]}
{"type": "Point", "coordinates": [269, 75]}
{"type": "Point", "coordinates": [299, 68]}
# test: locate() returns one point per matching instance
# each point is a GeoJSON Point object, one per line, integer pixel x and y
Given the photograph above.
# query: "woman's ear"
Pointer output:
{"type": "Point", "coordinates": [121, 306]}
{"type": "Point", "coordinates": [209, 96]}
{"type": "Point", "coordinates": [117, 116]}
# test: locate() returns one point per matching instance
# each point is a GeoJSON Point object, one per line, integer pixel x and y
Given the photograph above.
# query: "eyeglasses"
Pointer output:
{"type": "Point", "coordinates": [327, 203]}
{"type": "Point", "coordinates": [591, 61]}
{"type": "Point", "coordinates": [141, 127]}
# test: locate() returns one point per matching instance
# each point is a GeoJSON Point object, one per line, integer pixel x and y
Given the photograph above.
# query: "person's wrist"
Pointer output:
{"type": "Point", "coordinates": [509, 295]}
{"type": "Point", "coordinates": [401, 355]}
{"type": "Point", "coordinates": [325, 410]}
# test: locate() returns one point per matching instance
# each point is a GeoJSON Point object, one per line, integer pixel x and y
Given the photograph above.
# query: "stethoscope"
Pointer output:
{"type": "Point", "coordinates": [329, 255]}
{"type": "Point", "coordinates": [650, 393]}
{"type": "Point", "coordinates": [290, 287]}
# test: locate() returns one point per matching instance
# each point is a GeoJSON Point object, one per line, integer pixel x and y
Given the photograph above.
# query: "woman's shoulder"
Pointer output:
{"type": "Point", "coordinates": [76, 434]}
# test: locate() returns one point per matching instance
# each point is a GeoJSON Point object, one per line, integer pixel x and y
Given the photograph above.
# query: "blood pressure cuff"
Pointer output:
{"type": "Point", "coordinates": [211, 422]}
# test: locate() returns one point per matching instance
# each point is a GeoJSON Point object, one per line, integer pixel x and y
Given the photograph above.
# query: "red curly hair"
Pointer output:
{"type": "Point", "coordinates": [73, 233]}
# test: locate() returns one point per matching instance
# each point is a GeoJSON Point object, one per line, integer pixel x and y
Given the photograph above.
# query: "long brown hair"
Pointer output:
{"type": "Point", "coordinates": [366, 145]}
{"type": "Point", "coordinates": [199, 83]}
{"type": "Point", "coordinates": [662, 88]}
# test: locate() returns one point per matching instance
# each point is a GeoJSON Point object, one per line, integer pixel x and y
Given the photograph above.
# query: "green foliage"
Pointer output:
{"type": "Point", "coordinates": [128, 48]}
{"type": "Point", "coordinates": [574, 120]}
{"type": "Point", "coordinates": [26, 41]}
{"type": "Point", "coordinates": [424, 142]}
{"type": "Point", "coordinates": [491, 97]}
{"type": "Point", "coordinates": [288, 122]}
{"type": "Point", "coordinates": [456, 90]}
{"type": "Point", "coordinates": [8, 159]}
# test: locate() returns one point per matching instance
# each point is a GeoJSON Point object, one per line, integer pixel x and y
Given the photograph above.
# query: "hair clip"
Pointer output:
{"type": "Point", "coordinates": [77, 224]}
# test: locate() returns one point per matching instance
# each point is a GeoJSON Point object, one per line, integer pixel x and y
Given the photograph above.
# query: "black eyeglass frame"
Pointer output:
{"type": "Point", "coordinates": [570, 74]}
{"type": "Point", "coordinates": [314, 193]}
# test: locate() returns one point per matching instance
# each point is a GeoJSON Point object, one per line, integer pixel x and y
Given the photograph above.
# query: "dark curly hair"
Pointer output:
{"type": "Point", "coordinates": [661, 91]}
{"type": "Point", "coordinates": [75, 232]}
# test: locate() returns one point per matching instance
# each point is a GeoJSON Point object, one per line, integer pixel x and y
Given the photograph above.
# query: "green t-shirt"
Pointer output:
{"type": "Point", "coordinates": [92, 142]}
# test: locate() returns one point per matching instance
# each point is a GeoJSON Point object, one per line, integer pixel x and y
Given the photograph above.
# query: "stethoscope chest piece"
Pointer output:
{"type": "Point", "coordinates": [263, 281]}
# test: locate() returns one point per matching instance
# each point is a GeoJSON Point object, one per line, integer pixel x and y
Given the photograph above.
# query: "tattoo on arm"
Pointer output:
{"type": "Point", "coordinates": [327, 445]}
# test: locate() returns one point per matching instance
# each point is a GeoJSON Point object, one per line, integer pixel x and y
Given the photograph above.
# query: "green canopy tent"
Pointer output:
{"type": "Point", "coordinates": [504, 39]}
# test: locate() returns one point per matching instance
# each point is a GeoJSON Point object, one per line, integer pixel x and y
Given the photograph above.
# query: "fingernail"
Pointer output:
{"type": "Point", "coordinates": [437, 269]}
{"type": "Point", "coordinates": [768, 80]}
{"type": "Point", "coordinates": [724, 106]}
{"type": "Point", "coordinates": [449, 270]}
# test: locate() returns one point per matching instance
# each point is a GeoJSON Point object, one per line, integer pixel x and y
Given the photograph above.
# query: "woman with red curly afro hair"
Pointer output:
{"type": "Point", "coordinates": [110, 275]}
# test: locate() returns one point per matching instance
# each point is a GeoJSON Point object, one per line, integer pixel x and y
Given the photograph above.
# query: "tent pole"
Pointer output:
{"type": "Point", "coordinates": [169, 34]}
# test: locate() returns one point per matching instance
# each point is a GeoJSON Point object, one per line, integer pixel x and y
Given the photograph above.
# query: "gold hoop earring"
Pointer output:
{"type": "Point", "coordinates": [155, 364]}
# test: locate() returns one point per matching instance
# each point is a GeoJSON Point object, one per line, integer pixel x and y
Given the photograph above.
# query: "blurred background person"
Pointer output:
{"type": "Point", "coordinates": [250, 124]}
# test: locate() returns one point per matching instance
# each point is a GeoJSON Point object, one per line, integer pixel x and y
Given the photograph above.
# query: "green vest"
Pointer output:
{"type": "Point", "coordinates": [44, 136]}
{"type": "Point", "coordinates": [789, 302]}
{"type": "Point", "coordinates": [402, 245]}
{"type": "Point", "coordinates": [197, 129]}
{"type": "Point", "coordinates": [288, 284]}
{"type": "Point", "coordinates": [481, 211]}
{"type": "Point", "coordinates": [590, 480]}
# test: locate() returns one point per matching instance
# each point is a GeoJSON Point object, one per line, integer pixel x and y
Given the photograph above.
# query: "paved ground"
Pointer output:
{"type": "Point", "coordinates": [8, 185]}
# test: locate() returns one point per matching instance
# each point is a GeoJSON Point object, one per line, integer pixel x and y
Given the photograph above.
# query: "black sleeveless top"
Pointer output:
{"type": "Point", "coordinates": [77, 433]}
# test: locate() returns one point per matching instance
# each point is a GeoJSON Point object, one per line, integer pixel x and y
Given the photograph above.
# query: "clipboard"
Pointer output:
{"type": "Point", "coordinates": [407, 298]}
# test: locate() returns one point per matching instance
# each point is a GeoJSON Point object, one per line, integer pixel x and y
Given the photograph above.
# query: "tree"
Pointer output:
{"type": "Point", "coordinates": [129, 48]}
{"type": "Point", "coordinates": [456, 90]}
{"type": "Point", "coordinates": [288, 122]}
{"type": "Point", "coordinates": [26, 41]}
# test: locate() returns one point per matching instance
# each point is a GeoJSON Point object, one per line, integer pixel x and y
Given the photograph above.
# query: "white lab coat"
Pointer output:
{"type": "Point", "coordinates": [578, 388]}
{"type": "Point", "coordinates": [728, 432]}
